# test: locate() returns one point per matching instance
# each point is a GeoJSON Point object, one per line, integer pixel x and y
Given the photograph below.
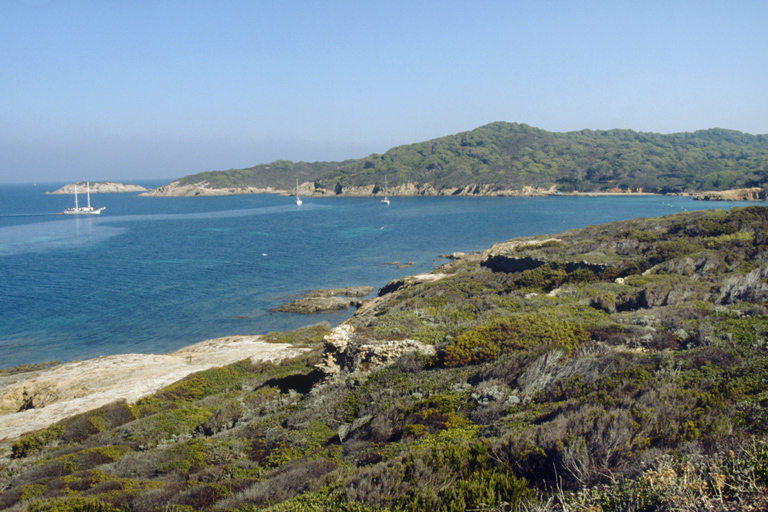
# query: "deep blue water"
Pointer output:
{"type": "Point", "coordinates": [153, 275]}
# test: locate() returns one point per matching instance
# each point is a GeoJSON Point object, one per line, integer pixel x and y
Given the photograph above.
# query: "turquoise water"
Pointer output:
{"type": "Point", "coordinates": [152, 275]}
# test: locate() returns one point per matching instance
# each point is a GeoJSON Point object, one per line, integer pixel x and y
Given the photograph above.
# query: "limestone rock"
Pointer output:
{"type": "Point", "coordinates": [344, 354]}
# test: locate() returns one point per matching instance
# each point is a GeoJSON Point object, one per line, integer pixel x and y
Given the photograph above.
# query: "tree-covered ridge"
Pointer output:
{"type": "Point", "coordinates": [278, 174]}
{"type": "Point", "coordinates": [618, 367]}
{"type": "Point", "coordinates": [512, 156]}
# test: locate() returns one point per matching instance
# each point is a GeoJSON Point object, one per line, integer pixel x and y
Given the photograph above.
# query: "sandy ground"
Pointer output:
{"type": "Point", "coordinates": [80, 386]}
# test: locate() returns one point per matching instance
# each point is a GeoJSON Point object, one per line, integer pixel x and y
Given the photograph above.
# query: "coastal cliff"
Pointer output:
{"type": "Point", "coordinates": [99, 187]}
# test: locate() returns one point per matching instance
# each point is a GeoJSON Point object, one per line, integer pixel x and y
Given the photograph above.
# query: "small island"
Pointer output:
{"type": "Point", "coordinates": [99, 187]}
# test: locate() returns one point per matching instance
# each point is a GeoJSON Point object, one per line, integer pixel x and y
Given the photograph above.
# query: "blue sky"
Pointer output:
{"type": "Point", "coordinates": [134, 90]}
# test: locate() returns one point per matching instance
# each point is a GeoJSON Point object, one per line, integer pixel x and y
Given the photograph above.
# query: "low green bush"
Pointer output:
{"type": "Point", "coordinates": [519, 332]}
{"type": "Point", "coordinates": [35, 441]}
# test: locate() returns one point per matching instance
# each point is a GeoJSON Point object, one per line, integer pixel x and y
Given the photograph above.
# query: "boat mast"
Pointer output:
{"type": "Point", "coordinates": [88, 188]}
{"type": "Point", "coordinates": [75, 196]}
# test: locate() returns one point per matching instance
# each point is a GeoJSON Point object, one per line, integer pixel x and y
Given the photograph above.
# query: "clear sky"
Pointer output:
{"type": "Point", "coordinates": [134, 89]}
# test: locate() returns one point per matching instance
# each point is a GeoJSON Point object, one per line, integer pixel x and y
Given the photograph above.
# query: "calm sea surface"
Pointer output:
{"type": "Point", "coordinates": [152, 275]}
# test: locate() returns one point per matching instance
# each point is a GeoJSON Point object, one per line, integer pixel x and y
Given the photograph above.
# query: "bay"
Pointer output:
{"type": "Point", "coordinates": [151, 275]}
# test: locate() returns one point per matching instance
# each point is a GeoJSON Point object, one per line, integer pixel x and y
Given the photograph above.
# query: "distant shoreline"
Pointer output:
{"type": "Point", "coordinates": [98, 187]}
{"type": "Point", "coordinates": [310, 189]}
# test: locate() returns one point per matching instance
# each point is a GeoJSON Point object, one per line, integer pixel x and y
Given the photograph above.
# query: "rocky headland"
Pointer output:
{"type": "Point", "coordinates": [99, 187]}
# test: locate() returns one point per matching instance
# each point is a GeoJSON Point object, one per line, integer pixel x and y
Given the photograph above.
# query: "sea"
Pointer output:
{"type": "Point", "coordinates": [152, 275]}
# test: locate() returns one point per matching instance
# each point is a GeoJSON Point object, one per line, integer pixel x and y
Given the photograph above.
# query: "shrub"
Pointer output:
{"type": "Point", "coordinates": [639, 235]}
{"type": "Point", "coordinates": [664, 251]}
{"type": "Point", "coordinates": [443, 473]}
{"type": "Point", "coordinates": [545, 278]}
{"type": "Point", "coordinates": [520, 332]}
{"type": "Point", "coordinates": [36, 441]}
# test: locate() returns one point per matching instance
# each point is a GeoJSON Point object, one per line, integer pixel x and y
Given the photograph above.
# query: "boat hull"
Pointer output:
{"type": "Point", "coordinates": [82, 211]}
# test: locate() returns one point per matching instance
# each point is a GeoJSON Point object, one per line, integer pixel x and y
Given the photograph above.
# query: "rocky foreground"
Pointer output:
{"type": "Point", "coordinates": [612, 368]}
{"type": "Point", "coordinates": [98, 187]}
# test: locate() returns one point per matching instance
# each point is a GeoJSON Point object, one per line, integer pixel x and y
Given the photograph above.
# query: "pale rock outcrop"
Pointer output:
{"type": "Point", "coordinates": [344, 354]}
{"type": "Point", "coordinates": [736, 194]}
{"type": "Point", "coordinates": [752, 287]}
{"type": "Point", "coordinates": [45, 397]}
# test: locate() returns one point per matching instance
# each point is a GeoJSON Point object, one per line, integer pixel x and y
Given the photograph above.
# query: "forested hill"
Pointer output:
{"type": "Point", "coordinates": [512, 156]}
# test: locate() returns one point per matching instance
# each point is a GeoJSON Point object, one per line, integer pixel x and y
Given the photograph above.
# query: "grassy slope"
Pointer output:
{"type": "Point", "coordinates": [511, 155]}
{"type": "Point", "coordinates": [619, 367]}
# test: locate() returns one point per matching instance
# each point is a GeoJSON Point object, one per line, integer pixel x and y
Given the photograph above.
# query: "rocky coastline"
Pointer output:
{"type": "Point", "coordinates": [314, 189]}
{"type": "Point", "coordinates": [99, 187]}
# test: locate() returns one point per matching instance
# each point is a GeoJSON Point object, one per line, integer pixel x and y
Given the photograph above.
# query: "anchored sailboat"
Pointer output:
{"type": "Point", "coordinates": [83, 210]}
{"type": "Point", "coordinates": [386, 192]}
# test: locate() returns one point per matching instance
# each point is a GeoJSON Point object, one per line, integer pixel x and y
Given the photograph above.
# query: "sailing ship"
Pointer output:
{"type": "Point", "coordinates": [298, 199]}
{"type": "Point", "coordinates": [386, 192]}
{"type": "Point", "coordinates": [83, 210]}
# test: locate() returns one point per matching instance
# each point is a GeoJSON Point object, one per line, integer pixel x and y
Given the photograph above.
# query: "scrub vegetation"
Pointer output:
{"type": "Point", "coordinates": [613, 368]}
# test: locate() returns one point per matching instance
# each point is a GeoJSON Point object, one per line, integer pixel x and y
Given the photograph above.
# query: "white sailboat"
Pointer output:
{"type": "Point", "coordinates": [386, 192]}
{"type": "Point", "coordinates": [83, 210]}
{"type": "Point", "coordinates": [298, 199]}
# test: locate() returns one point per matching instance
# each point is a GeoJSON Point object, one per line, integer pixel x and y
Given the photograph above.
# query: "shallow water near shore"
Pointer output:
{"type": "Point", "coordinates": [152, 275]}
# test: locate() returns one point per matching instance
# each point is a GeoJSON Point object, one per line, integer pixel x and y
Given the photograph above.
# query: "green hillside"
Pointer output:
{"type": "Point", "coordinates": [511, 156]}
{"type": "Point", "coordinates": [278, 174]}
